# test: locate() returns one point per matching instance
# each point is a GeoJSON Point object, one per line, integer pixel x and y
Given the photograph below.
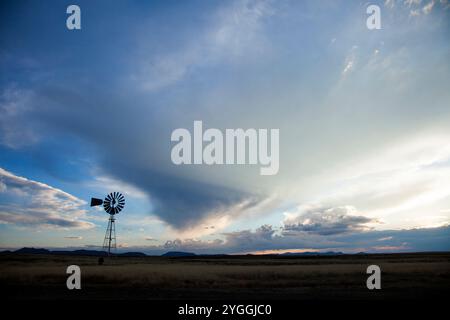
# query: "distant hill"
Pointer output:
{"type": "Point", "coordinates": [178, 254]}
{"type": "Point", "coordinates": [98, 253]}
{"type": "Point", "coordinates": [32, 251]}
{"type": "Point", "coordinates": [81, 252]}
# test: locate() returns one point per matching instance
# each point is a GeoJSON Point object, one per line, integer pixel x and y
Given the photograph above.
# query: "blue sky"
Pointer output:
{"type": "Point", "coordinates": [363, 117]}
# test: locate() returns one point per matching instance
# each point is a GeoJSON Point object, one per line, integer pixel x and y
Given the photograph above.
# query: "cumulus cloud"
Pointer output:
{"type": "Point", "coordinates": [31, 203]}
{"type": "Point", "coordinates": [268, 239]}
{"type": "Point", "coordinates": [326, 221]}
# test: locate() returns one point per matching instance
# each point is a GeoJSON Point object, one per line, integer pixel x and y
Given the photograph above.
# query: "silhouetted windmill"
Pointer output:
{"type": "Point", "coordinates": [113, 204]}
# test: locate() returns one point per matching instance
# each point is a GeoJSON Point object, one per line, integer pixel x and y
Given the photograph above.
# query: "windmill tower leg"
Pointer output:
{"type": "Point", "coordinates": [110, 236]}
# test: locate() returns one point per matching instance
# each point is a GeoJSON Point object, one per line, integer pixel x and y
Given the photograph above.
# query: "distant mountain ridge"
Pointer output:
{"type": "Point", "coordinates": [80, 252]}
{"type": "Point", "coordinates": [84, 252]}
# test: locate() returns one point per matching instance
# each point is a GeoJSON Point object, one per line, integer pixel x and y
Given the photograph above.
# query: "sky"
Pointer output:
{"type": "Point", "coordinates": [363, 118]}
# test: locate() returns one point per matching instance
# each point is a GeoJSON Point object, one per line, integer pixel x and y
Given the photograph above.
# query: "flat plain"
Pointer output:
{"type": "Point", "coordinates": [340, 277]}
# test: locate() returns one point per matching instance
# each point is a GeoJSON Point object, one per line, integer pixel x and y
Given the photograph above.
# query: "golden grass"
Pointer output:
{"type": "Point", "coordinates": [157, 272]}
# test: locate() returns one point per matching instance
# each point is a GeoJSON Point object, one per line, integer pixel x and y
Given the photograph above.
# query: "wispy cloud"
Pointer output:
{"type": "Point", "coordinates": [409, 3]}
{"type": "Point", "coordinates": [350, 61]}
{"type": "Point", "coordinates": [232, 34]}
{"type": "Point", "coordinates": [428, 7]}
{"type": "Point", "coordinates": [35, 204]}
{"type": "Point", "coordinates": [15, 103]}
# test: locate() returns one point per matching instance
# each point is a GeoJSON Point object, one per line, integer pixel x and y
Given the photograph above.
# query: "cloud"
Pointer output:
{"type": "Point", "coordinates": [389, 3]}
{"type": "Point", "coordinates": [136, 167]}
{"type": "Point", "coordinates": [15, 103]}
{"type": "Point", "coordinates": [234, 32]}
{"type": "Point", "coordinates": [409, 3]}
{"type": "Point", "coordinates": [108, 183]}
{"type": "Point", "coordinates": [350, 61]}
{"type": "Point", "coordinates": [400, 248]}
{"type": "Point", "coordinates": [332, 146]}
{"type": "Point", "coordinates": [34, 204]}
{"type": "Point", "coordinates": [326, 221]}
{"type": "Point", "coordinates": [428, 7]}
{"type": "Point", "coordinates": [404, 185]}
{"type": "Point", "coordinates": [268, 239]}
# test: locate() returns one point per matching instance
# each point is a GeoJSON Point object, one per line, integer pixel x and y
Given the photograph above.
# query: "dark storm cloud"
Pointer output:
{"type": "Point", "coordinates": [130, 143]}
{"type": "Point", "coordinates": [420, 239]}
{"type": "Point", "coordinates": [108, 88]}
{"type": "Point", "coordinates": [179, 201]}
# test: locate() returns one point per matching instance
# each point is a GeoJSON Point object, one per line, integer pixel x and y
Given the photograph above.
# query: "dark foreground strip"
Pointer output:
{"type": "Point", "coordinates": [129, 310]}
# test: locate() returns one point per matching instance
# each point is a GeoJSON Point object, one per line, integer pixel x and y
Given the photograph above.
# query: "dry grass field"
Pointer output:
{"type": "Point", "coordinates": [404, 276]}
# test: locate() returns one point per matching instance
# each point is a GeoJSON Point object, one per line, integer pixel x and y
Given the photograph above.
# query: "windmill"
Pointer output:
{"type": "Point", "coordinates": [113, 204]}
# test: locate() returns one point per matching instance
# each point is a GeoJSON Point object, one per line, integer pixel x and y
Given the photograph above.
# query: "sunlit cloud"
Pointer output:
{"type": "Point", "coordinates": [35, 204]}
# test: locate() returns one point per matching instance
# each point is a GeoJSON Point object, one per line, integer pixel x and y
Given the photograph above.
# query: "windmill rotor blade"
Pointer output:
{"type": "Point", "coordinates": [113, 203]}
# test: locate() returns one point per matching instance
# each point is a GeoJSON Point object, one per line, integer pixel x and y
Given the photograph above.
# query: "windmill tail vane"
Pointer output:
{"type": "Point", "coordinates": [112, 204]}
